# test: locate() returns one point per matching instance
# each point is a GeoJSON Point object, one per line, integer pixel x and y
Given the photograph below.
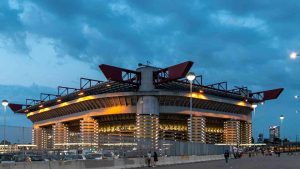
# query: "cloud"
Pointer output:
{"type": "Point", "coordinates": [18, 94]}
{"type": "Point", "coordinates": [244, 42]}
{"type": "Point", "coordinates": [12, 32]}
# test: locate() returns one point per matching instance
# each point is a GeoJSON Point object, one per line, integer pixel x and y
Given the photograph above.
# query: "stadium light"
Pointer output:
{"type": "Point", "coordinates": [294, 55]}
{"type": "Point", "coordinates": [281, 121]}
{"type": "Point", "coordinates": [4, 104]}
{"type": "Point", "coordinates": [254, 106]}
{"type": "Point", "coordinates": [281, 117]}
{"type": "Point", "coordinates": [190, 77]}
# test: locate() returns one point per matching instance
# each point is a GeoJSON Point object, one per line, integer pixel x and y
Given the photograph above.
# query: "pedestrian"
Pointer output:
{"type": "Point", "coordinates": [226, 155]}
{"type": "Point", "coordinates": [149, 158]}
{"type": "Point", "coordinates": [155, 159]}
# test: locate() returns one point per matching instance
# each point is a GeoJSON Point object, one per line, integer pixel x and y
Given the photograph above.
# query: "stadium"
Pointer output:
{"type": "Point", "coordinates": [139, 109]}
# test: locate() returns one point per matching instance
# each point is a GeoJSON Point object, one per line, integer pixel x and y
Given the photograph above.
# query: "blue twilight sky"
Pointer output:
{"type": "Point", "coordinates": [46, 43]}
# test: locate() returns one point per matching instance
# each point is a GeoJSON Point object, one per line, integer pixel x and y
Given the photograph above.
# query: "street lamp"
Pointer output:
{"type": "Point", "coordinates": [281, 121]}
{"type": "Point", "coordinates": [191, 77]}
{"type": "Point", "coordinates": [294, 55]}
{"type": "Point", "coordinates": [254, 107]}
{"type": "Point", "coordinates": [4, 104]}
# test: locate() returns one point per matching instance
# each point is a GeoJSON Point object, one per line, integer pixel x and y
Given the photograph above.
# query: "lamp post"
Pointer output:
{"type": "Point", "coordinates": [281, 121]}
{"type": "Point", "coordinates": [191, 77]}
{"type": "Point", "coordinates": [297, 97]}
{"type": "Point", "coordinates": [4, 104]}
{"type": "Point", "coordinates": [254, 106]}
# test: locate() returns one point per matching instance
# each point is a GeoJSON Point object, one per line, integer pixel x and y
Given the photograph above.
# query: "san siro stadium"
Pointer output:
{"type": "Point", "coordinates": [140, 108]}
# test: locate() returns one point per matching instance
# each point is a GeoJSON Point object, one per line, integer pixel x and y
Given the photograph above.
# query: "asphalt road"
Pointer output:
{"type": "Point", "coordinates": [268, 162]}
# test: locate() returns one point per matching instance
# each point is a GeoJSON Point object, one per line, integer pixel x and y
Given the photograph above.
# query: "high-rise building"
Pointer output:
{"type": "Point", "coordinates": [274, 132]}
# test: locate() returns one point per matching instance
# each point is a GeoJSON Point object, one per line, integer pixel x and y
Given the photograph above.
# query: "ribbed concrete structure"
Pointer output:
{"type": "Point", "coordinates": [141, 109]}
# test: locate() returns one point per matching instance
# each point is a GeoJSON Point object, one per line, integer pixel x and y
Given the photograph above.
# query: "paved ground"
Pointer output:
{"type": "Point", "coordinates": [269, 162]}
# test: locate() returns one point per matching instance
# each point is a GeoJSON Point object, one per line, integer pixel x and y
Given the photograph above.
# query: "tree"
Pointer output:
{"type": "Point", "coordinates": [6, 142]}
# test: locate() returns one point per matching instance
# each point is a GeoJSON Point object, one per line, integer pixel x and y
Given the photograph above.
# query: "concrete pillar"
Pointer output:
{"type": "Point", "coordinates": [42, 137]}
{"type": "Point", "coordinates": [232, 132]}
{"type": "Point", "coordinates": [147, 123]}
{"type": "Point", "coordinates": [60, 136]}
{"type": "Point", "coordinates": [37, 137]}
{"type": "Point", "coordinates": [198, 129]}
{"type": "Point", "coordinates": [89, 132]}
{"type": "Point", "coordinates": [246, 132]}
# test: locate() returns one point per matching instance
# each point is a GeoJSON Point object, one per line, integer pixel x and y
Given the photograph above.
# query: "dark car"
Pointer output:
{"type": "Point", "coordinates": [36, 158]}
{"type": "Point", "coordinates": [19, 158]}
{"type": "Point", "coordinates": [6, 158]}
{"type": "Point", "coordinates": [74, 157]}
{"type": "Point", "coordinates": [94, 156]}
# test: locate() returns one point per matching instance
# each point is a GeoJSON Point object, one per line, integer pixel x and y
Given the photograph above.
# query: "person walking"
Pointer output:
{"type": "Point", "coordinates": [155, 157]}
{"type": "Point", "coordinates": [226, 155]}
{"type": "Point", "coordinates": [149, 158]}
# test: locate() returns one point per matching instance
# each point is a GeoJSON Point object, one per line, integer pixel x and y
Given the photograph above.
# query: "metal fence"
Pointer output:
{"type": "Point", "coordinates": [176, 148]}
{"type": "Point", "coordinates": [180, 148]}
{"type": "Point", "coordinates": [16, 134]}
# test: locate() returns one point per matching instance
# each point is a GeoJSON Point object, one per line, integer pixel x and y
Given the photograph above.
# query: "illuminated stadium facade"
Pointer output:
{"type": "Point", "coordinates": [140, 109]}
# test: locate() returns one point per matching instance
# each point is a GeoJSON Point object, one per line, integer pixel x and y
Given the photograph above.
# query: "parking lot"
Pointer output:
{"type": "Point", "coordinates": [260, 162]}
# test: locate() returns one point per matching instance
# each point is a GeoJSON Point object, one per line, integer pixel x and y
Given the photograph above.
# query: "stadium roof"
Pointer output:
{"type": "Point", "coordinates": [124, 80]}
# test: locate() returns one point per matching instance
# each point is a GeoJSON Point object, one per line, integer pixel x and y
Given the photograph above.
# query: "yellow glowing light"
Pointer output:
{"type": "Point", "coordinates": [43, 110]}
{"type": "Point", "coordinates": [63, 104]}
{"type": "Point", "coordinates": [241, 103]}
{"type": "Point", "coordinates": [30, 114]}
{"type": "Point", "coordinates": [199, 96]}
{"type": "Point", "coordinates": [85, 98]}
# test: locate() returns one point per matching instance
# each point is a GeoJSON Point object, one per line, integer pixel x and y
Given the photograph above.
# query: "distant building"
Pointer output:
{"type": "Point", "coordinates": [274, 132]}
{"type": "Point", "coordinates": [260, 138]}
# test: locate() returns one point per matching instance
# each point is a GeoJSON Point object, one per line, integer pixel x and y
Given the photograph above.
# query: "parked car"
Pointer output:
{"type": "Point", "coordinates": [75, 157]}
{"type": "Point", "coordinates": [19, 158]}
{"type": "Point", "coordinates": [94, 156]}
{"type": "Point", "coordinates": [36, 158]}
{"type": "Point", "coordinates": [6, 158]}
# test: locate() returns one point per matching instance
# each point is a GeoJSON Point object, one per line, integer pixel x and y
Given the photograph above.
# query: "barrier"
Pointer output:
{"type": "Point", "coordinates": [108, 164]}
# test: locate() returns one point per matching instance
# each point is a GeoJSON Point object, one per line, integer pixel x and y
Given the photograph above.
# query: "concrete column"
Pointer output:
{"type": "Point", "coordinates": [42, 137]}
{"type": "Point", "coordinates": [232, 132]}
{"type": "Point", "coordinates": [89, 129]}
{"type": "Point", "coordinates": [37, 137]}
{"type": "Point", "coordinates": [246, 132]}
{"type": "Point", "coordinates": [60, 136]}
{"type": "Point", "coordinates": [198, 129]}
{"type": "Point", "coordinates": [147, 123]}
